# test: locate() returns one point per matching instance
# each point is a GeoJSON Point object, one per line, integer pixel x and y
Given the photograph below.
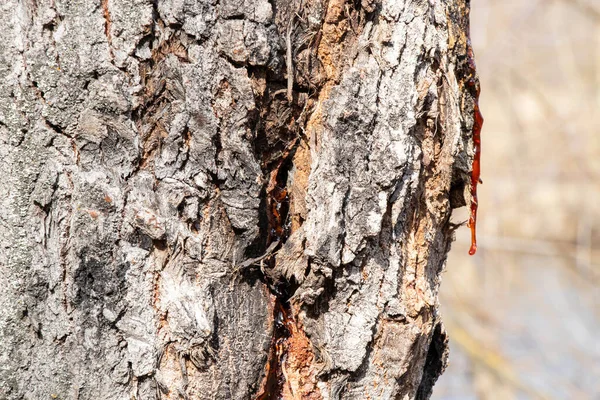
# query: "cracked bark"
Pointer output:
{"type": "Point", "coordinates": [181, 218]}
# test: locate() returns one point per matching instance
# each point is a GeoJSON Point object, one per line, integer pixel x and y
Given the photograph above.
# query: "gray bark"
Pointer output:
{"type": "Point", "coordinates": [228, 199]}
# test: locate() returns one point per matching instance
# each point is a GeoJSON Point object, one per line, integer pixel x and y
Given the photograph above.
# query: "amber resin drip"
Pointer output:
{"type": "Point", "coordinates": [275, 385]}
{"type": "Point", "coordinates": [275, 382]}
{"type": "Point", "coordinates": [473, 84]}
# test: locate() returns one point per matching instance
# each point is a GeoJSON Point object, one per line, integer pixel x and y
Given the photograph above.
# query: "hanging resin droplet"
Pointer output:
{"type": "Point", "coordinates": [473, 84]}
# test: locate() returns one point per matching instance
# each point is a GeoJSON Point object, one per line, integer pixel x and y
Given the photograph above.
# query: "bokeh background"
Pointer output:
{"type": "Point", "coordinates": [523, 314]}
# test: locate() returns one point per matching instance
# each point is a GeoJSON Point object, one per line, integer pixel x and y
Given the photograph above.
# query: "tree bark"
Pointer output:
{"type": "Point", "coordinates": [229, 199]}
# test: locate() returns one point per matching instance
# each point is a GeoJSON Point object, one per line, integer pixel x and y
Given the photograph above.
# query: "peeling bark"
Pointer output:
{"type": "Point", "coordinates": [229, 199]}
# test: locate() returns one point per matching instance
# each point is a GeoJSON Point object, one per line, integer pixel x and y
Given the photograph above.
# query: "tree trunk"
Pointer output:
{"type": "Point", "coordinates": [234, 199]}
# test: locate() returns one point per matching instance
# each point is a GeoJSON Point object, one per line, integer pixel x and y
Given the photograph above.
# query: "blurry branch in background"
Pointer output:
{"type": "Point", "coordinates": [544, 248]}
{"type": "Point", "coordinates": [478, 350]}
{"type": "Point", "coordinates": [585, 6]}
{"type": "Point", "coordinates": [490, 359]}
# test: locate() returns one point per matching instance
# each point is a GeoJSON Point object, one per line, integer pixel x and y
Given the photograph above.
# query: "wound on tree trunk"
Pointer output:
{"type": "Point", "coordinates": [230, 199]}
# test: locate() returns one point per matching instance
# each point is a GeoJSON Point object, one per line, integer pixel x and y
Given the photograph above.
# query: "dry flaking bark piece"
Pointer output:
{"type": "Point", "coordinates": [229, 199]}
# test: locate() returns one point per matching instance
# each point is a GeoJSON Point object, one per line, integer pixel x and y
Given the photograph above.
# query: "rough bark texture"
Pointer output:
{"type": "Point", "coordinates": [228, 199]}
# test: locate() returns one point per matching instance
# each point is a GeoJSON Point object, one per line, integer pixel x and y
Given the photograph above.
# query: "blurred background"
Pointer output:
{"type": "Point", "coordinates": [523, 314]}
